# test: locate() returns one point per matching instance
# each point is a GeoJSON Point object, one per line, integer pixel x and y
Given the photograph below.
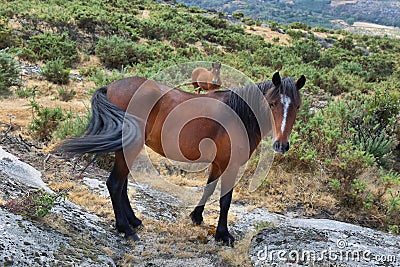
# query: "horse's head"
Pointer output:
{"type": "Point", "coordinates": [215, 70]}
{"type": "Point", "coordinates": [284, 101]}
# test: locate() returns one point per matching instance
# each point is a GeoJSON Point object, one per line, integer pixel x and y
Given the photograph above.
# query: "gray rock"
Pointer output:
{"type": "Point", "coordinates": [20, 171]}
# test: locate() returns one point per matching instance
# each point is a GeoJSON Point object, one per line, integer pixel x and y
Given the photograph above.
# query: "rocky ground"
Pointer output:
{"type": "Point", "coordinates": [79, 230]}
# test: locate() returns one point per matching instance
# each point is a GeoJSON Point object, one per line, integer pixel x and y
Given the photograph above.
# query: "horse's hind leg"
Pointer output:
{"type": "Point", "coordinates": [126, 205]}
{"type": "Point", "coordinates": [196, 87]}
{"type": "Point", "coordinates": [197, 214]}
{"type": "Point", "coordinates": [116, 183]}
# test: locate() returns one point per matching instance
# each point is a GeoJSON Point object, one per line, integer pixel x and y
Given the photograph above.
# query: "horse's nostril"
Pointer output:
{"type": "Point", "coordinates": [287, 146]}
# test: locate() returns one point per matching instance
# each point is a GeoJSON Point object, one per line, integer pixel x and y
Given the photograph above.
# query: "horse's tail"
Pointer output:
{"type": "Point", "coordinates": [105, 129]}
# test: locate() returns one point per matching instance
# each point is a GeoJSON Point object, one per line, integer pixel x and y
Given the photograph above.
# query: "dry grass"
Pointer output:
{"type": "Point", "coordinates": [239, 256]}
{"type": "Point", "coordinates": [100, 206]}
{"type": "Point", "coordinates": [145, 14]}
{"type": "Point", "coordinates": [268, 34]}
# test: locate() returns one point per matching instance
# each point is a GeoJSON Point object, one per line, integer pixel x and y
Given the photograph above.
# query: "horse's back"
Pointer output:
{"type": "Point", "coordinates": [141, 90]}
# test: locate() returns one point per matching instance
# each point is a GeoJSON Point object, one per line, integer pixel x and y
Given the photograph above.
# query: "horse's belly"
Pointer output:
{"type": "Point", "coordinates": [179, 150]}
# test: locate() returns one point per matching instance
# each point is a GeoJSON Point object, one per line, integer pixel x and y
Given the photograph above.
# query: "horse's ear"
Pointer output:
{"type": "Point", "coordinates": [216, 65]}
{"type": "Point", "coordinates": [300, 82]}
{"type": "Point", "coordinates": [276, 79]}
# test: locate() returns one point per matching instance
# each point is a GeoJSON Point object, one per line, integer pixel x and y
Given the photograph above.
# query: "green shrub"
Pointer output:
{"type": "Point", "coordinates": [307, 49]}
{"type": "Point", "coordinates": [72, 126]}
{"type": "Point", "coordinates": [87, 18]}
{"type": "Point", "coordinates": [65, 95]}
{"type": "Point", "coordinates": [299, 25]}
{"type": "Point", "coordinates": [49, 47]}
{"type": "Point", "coordinates": [157, 29]}
{"type": "Point", "coordinates": [115, 52]}
{"type": "Point", "coordinates": [238, 15]}
{"type": "Point", "coordinates": [27, 92]}
{"type": "Point", "coordinates": [7, 39]}
{"type": "Point", "coordinates": [102, 78]}
{"type": "Point", "coordinates": [56, 72]}
{"type": "Point", "coordinates": [295, 34]}
{"type": "Point", "coordinates": [378, 66]}
{"type": "Point", "coordinates": [9, 72]}
{"type": "Point", "coordinates": [35, 204]}
{"type": "Point", "coordinates": [46, 120]}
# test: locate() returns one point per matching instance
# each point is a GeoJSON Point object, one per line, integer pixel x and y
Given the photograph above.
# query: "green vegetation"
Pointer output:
{"type": "Point", "coordinates": [35, 204]}
{"type": "Point", "coordinates": [50, 47]}
{"type": "Point", "coordinates": [8, 72]}
{"type": "Point", "coordinates": [46, 120]}
{"type": "Point", "coordinates": [348, 126]}
{"type": "Point", "coordinates": [56, 72]}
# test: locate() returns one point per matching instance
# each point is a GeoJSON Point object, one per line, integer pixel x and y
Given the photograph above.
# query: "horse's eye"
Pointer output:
{"type": "Point", "coordinates": [271, 105]}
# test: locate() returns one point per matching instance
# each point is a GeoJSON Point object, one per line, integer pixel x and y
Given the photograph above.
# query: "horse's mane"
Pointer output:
{"type": "Point", "coordinates": [249, 104]}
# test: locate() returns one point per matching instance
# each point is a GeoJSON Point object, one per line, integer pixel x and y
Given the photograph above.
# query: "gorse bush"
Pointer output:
{"type": "Point", "coordinates": [72, 126]}
{"type": "Point", "coordinates": [7, 39]}
{"type": "Point", "coordinates": [65, 95]}
{"type": "Point", "coordinates": [50, 47]}
{"type": "Point", "coordinates": [46, 120]}
{"type": "Point", "coordinates": [9, 72]}
{"type": "Point", "coordinates": [56, 72]}
{"type": "Point", "coordinates": [116, 52]}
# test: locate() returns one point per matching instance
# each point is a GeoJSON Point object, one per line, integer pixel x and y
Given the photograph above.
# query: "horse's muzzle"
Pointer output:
{"type": "Point", "coordinates": [280, 147]}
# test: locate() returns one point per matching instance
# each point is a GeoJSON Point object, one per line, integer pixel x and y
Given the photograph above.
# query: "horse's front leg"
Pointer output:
{"type": "Point", "coordinates": [197, 214]}
{"type": "Point", "coordinates": [222, 233]}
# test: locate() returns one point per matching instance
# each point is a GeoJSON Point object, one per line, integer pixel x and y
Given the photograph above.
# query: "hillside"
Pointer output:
{"type": "Point", "coordinates": [314, 13]}
{"type": "Point", "coordinates": [344, 157]}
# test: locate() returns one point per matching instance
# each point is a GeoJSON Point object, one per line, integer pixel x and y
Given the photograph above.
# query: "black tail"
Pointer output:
{"type": "Point", "coordinates": [105, 129]}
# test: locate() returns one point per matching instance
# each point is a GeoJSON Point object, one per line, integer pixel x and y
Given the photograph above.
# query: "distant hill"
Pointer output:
{"type": "Point", "coordinates": [312, 12]}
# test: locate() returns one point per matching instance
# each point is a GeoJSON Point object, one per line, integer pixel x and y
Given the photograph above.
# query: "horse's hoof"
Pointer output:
{"type": "Point", "coordinates": [136, 223]}
{"type": "Point", "coordinates": [196, 219]}
{"type": "Point", "coordinates": [132, 237]}
{"type": "Point", "coordinates": [226, 238]}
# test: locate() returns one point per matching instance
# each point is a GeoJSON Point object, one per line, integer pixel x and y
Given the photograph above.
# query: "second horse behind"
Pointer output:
{"type": "Point", "coordinates": [207, 80]}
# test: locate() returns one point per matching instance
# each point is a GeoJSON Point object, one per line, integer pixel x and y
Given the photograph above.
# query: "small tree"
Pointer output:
{"type": "Point", "coordinates": [9, 72]}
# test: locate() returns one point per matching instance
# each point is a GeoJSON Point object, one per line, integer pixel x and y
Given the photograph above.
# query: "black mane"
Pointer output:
{"type": "Point", "coordinates": [250, 105]}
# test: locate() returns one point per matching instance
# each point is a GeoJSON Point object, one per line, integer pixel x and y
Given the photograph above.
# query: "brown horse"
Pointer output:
{"type": "Point", "coordinates": [134, 111]}
{"type": "Point", "coordinates": [207, 80]}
